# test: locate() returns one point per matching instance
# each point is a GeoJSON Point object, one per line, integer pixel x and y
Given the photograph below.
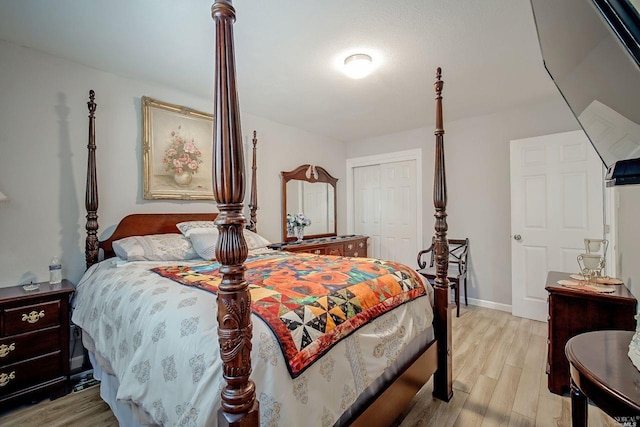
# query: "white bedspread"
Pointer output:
{"type": "Point", "coordinates": [159, 339]}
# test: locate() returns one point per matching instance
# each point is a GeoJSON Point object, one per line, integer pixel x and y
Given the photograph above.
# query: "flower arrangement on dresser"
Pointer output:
{"type": "Point", "coordinates": [296, 224]}
{"type": "Point", "coordinates": [182, 158]}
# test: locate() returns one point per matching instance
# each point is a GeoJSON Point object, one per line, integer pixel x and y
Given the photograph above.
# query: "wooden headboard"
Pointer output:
{"type": "Point", "coordinates": [149, 223]}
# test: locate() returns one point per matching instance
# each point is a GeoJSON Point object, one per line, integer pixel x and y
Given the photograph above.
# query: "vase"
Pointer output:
{"type": "Point", "coordinates": [299, 233]}
{"type": "Point", "coordinates": [634, 346]}
{"type": "Point", "coordinates": [183, 178]}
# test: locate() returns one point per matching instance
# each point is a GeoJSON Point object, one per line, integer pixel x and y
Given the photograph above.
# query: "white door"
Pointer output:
{"type": "Point", "coordinates": [385, 201]}
{"type": "Point", "coordinates": [366, 191]}
{"type": "Point", "coordinates": [398, 206]}
{"type": "Point", "coordinates": [556, 201]}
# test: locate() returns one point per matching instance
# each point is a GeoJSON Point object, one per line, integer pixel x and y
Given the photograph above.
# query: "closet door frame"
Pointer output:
{"type": "Point", "coordinates": [399, 156]}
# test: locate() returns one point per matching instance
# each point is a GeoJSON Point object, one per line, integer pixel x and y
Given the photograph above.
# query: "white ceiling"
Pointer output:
{"type": "Point", "coordinates": [287, 50]}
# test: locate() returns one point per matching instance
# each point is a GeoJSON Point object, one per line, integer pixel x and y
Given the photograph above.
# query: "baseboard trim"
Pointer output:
{"type": "Point", "coordinates": [489, 304]}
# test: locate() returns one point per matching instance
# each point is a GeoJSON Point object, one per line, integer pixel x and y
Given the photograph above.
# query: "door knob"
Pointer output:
{"type": "Point", "coordinates": [517, 237]}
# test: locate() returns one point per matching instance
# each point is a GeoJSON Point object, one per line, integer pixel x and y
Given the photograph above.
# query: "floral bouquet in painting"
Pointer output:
{"type": "Point", "coordinates": [296, 224]}
{"type": "Point", "coordinates": [182, 156]}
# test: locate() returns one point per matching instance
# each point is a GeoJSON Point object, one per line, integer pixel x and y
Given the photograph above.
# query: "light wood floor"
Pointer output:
{"type": "Point", "coordinates": [499, 380]}
{"type": "Point", "coordinates": [499, 377]}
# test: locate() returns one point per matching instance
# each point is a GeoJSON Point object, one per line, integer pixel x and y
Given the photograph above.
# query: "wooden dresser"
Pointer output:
{"type": "Point", "coordinates": [34, 343]}
{"type": "Point", "coordinates": [350, 246]}
{"type": "Point", "coordinates": [573, 312]}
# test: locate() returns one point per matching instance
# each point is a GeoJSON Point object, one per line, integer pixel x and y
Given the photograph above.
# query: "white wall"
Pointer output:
{"type": "Point", "coordinates": [283, 148]}
{"type": "Point", "coordinates": [477, 166]}
{"type": "Point", "coordinates": [43, 138]}
{"type": "Point", "coordinates": [629, 236]}
{"type": "Point", "coordinates": [43, 118]}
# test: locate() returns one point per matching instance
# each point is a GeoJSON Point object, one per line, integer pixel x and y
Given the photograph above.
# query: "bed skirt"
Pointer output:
{"type": "Point", "coordinates": [130, 415]}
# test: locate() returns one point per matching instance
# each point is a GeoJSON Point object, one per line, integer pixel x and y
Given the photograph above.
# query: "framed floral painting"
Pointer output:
{"type": "Point", "coordinates": [177, 149]}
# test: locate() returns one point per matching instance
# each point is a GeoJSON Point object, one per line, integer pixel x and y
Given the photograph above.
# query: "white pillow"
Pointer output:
{"type": "Point", "coordinates": [254, 240]}
{"type": "Point", "coordinates": [204, 241]}
{"type": "Point", "coordinates": [156, 247]}
{"type": "Point", "coordinates": [188, 227]}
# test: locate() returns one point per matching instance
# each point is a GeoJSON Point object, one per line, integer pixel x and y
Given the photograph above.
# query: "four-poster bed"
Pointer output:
{"type": "Point", "coordinates": [414, 361]}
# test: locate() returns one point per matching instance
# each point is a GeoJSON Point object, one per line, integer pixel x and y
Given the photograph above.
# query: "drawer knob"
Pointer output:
{"type": "Point", "coordinates": [6, 349]}
{"type": "Point", "coordinates": [33, 317]}
{"type": "Point", "coordinates": [4, 378]}
{"type": "Point", "coordinates": [317, 252]}
{"type": "Point", "coordinates": [350, 246]}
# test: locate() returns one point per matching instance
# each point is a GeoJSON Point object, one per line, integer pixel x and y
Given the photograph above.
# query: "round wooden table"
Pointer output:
{"type": "Point", "coordinates": [602, 371]}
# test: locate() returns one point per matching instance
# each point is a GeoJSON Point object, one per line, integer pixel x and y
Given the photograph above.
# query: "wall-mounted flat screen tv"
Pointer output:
{"type": "Point", "coordinates": [591, 49]}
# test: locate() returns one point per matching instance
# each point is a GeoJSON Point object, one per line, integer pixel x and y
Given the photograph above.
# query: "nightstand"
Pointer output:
{"type": "Point", "coordinates": [573, 312]}
{"type": "Point", "coordinates": [34, 343]}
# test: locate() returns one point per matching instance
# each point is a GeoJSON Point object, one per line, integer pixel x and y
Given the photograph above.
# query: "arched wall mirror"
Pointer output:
{"type": "Point", "coordinates": [309, 190]}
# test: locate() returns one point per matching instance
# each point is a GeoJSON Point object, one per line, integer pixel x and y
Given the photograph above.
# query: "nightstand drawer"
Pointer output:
{"type": "Point", "coordinates": [31, 317]}
{"type": "Point", "coordinates": [30, 372]}
{"type": "Point", "coordinates": [31, 344]}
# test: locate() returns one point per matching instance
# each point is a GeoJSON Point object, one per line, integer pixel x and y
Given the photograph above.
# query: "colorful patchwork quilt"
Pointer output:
{"type": "Point", "coordinates": [311, 302]}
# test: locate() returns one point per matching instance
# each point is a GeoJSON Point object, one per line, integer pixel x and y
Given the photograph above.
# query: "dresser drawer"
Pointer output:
{"type": "Point", "coordinates": [30, 317]}
{"type": "Point", "coordinates": [356, 248]}
{"type": "Point", "coordinates": [348, 246]}
{"type": "Point", "coordinates": [336, 250]}
{"type": "Point", "coordinates": [355, 253]}
{"type": "Point", "coordinates": [30, 372]}
{"type": "Point", "coordinates": [31, 344]}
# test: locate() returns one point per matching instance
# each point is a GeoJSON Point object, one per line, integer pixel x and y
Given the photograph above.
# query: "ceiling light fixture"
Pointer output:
{"type": "Point", "coordinates": [358, 66]}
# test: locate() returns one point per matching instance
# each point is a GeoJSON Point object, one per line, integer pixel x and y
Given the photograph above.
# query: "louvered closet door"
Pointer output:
{"type": "Point", "coordinates": [385, 209]}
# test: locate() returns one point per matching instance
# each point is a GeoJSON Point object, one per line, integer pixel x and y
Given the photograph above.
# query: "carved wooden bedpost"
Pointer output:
{"type": "Point", "coordinates": [91, 189]}
{"type": "Point", "coordinates": [239, 405]}
{"type": "Point", "coordinates": [443, 379]}
{"type": "Point", "coordinates": [253, 202]}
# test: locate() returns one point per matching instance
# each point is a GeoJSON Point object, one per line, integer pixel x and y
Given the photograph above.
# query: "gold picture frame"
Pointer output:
{"type": "Point", "coordinates": [177, 152]}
